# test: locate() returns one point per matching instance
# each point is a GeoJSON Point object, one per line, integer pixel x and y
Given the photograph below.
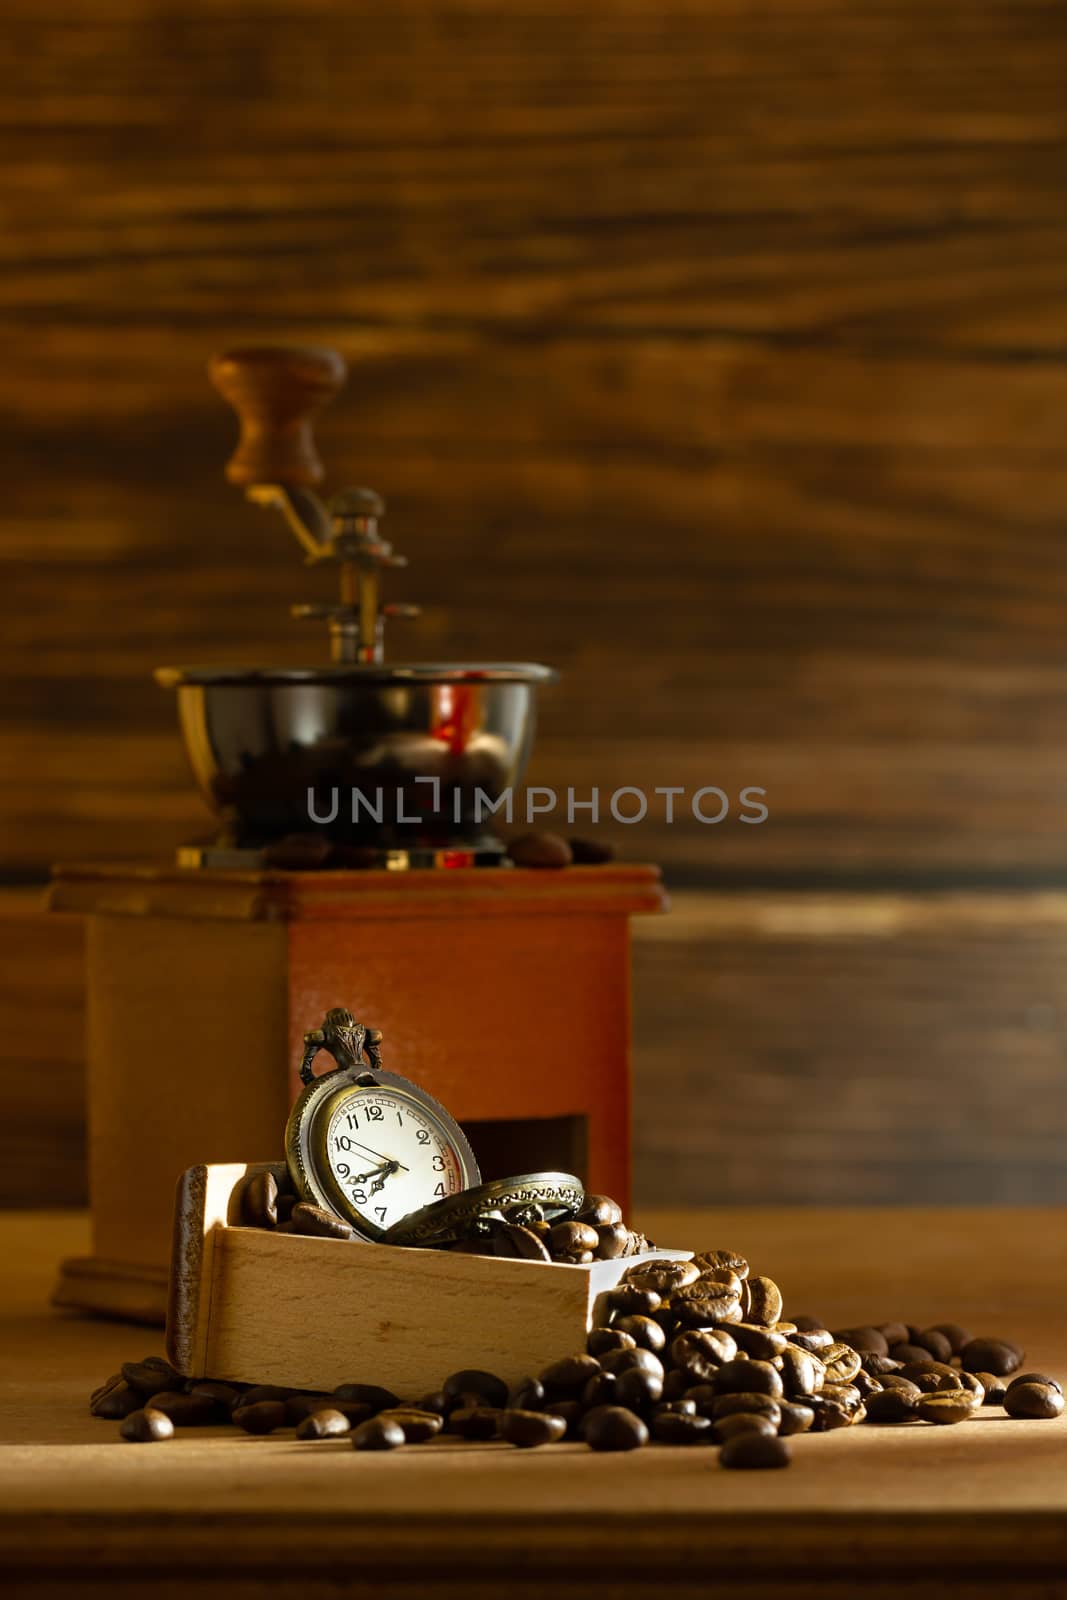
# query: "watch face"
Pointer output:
{"type": "Point", "coordinates": [374, 1153]}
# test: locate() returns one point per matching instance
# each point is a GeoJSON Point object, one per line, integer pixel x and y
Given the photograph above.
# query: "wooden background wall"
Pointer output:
{"type": "Point", "coordinates": [713, 352]}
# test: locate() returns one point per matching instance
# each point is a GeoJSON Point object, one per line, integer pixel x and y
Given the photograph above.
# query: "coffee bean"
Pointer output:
{"type": "Point", "coordinates": [540, 850]}
{"type": "Point", "coordinates": [755, 1452]}
{"type": "Point", "coordinates": [151, 1377]}
{"type": "Point", "coordinates": [528, 1429]}
{"type": "Point", "coordinates": [736, 1422]}
{"type": "Point", "coordinates": [939, 1346]}
{"type": "Point", "coordinates": [262, 1417]}
{"type": "Point", "coordinates": [600, 1211]}
{"type": "Point", "coordinates": [569, 1241]}
{"type": "Point", "coordinates": [931, 1375]}
{"type": "Point", "coordinates": [946, 1406]}
{"type": "Point", "coordinates": [1035, 1377]}
{"type": "Point", "coordinates": [893, 1405]}
{"type": "Point", "coordinates": [841, 1362]}
{"type": "Point", "coordinates": [619, 1361]}
{"type": "Point", "coordinates": [631, 1300]}
{"type": "Point", "coordinates": [705, 1259]}
{"type": "Point", "coordinates": [762, 1303]}
{"type": "Point", "coordinates": [613, 1428]}
{"type": "Point", "coordinates": [612, 1240]}
{"type": "Point", "coordinates": [756, 1405]}
{"type": "Point", "coordinates": [877, 1365]}
{"type": "Point", "coordinates": [529, 1395]}
{"type": "Point", "coordinates": [866, 1385]}
{"type": "Point", "coordinates": [146, 1427]}
{"type": "Point", "coordinates": [601, 1340]}
{"type": "Point", "coordinates": [894, 1333]}
{"type": "Point", "coordinates": [225, 1395]}
{"type": "Point", "coordinates": [418, 1426]}
{"type": "Point", "coordinates": [319, 1223]}
{"type": "Point", "coordinates": [802, 1373]}
{"type": "Point", "coordinates": [1038, 1400]}
{"type": "Point", "coordinates": [638, 1390]}
{"type": "Point", "coordinates": [475, 1422]}
{"type": "Point", "coordinates": [956, 1336]}
{"type": "Point", "coordinates": [378, 1433]}
{"type": "Point", "coordinates": [763, 1344]}
{"type": "Point", "coordinates": [973, 1384]}
{"type": "Point", "coordinates": [699, 1355]}
{"type": "Point", "coordinates": [990, 1355]}
{"type": "Point", "coordinates": [724, 1276]}
{"type": "Point", "coordinates": [286, 1204]}
{"type": "Point", "coordinates": [806, 1324]}
{"type": "Point", "coordinates": [355, 1410]}
{"type": "Point", "coordinates": [519, 1244]}
{"type": "Point", "coordinates": [896, 1380]}
{"type": "Point", "coordinates": [663, 1277]}
{"type": "Point", "coordinates": [911, 1355]}
{"type": "Point", "coordinates": [116, 1401]}
{"type": "Point", "coordinates": [299, 1406]}
{"type": "Point", "coordinates": [600, 1391]}
{"type": "Point", "coordinates": [191, 1410]}
{"type": "Point", "coordinates": [439, 1402]}
{"type": "Point", "coordinates": [370, 1394]}
{"type": "Point", "coordinates": [326, 1423]}
{"type": "Point", "coordinates": [759, 1377]}
{"type": "Point", "coordinates": [266, 1391]}
{"type": "Point", "coordinates": [868, 1341]}
{"type": "Point", "coordinates": [570, 1376]}
{"type": "Point", "coordinates": [645, 1333]}
{"type": "Point", "coordinates": [995, 1388]}
{"type": "Point", "coordinates": [830, 1413]}
{"type": "Point", "coordinates": [678, 1427]}
{"type": "Point", "coordinates": [572, 1412]}
{"type": "Point", "coordinates": [814, 1340]}
{"type": "Point", "coordinates": [471, 1381]}
{"type": "Point", "coordinates": [795, 1419]}
{"type": "Point", "coordinates": [259, 1201]}
{"type": "Point", "coordinates": [697, 1305]}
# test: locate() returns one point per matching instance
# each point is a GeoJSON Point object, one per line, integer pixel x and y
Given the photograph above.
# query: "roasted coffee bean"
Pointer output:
{"type": "Point", "coordinates": [600, 1390]}
{"type": "Point", "coordinates": [842, 1394]}
{"type": "Point", "coordinates": [663, 1277]}
{"type": "Point", "coordinates": [630, 1300]}
{"type": "Point", "coordinates": [519, 1244]}
{"type": "Point", "coordinates": [528, 1429]}
{"type": "Point", "coordinates": [440, 1403]}
{"type": "Point", "coordinates": [868, 1341]}
{"type": "Point", "coordinates": [286, 1204]}
{"type": "Point", "coordinates": [368, 1394]}
{"type": "Point", "coordinates": [529, 1395]}
{"type": "Point", "coordinates": [151, 1377]}
{"type": "Point", "coordinates": [877, 1365]}
{"type": "Point", "coordinates": [802, 1373]}
{"type": "Point", "coordinates": [893, 1405]}
{"type": "Point", "coordinates": [991, 1355]}
{"type": "Point", "coordinates": [475, 1422]}
{"type": "Point", "coordinates": [601, 1340]}
{"type": "Point", "coordinates": [418, 1426]}
{"type": "Point", "coordinates": [894, 1333]}
{"type": "Point", "coordinates": [805, 1324]}
{"type": "Point", "coordinates": [266, 1391]}
{"type": "Point", "coordinates": [259, 1201]}
{"type": "Point", "coordinates": [699, 1355]}
{"type": "Point", "coordinates": [191, 1410]}
{"type": "Point", "coordinates": [600, 1211]}
{"type": "Point", "coordinates": [679, 1427]}
{"type": "Point", "coordinates": [725, 1276]}
{"type": "Point", "coordinates": [841, 1362]}
{"type": "Point", "coordinates": [762, 1344]}
{"type": "Point", "coordinates": [612, 1241]}
{"type": "Point", "coordinates": [911, 1355]}
{"type": "Point", "coordinates": [116, 1402]}
{"type": "Point", "coordinates": [796, 1418]}
{"type": "Point", "coordinates": [147, 1426]}
{"type": "Point", "coordinates": [378, 1433]}
{"type": "Point", "coordinates": [613, 1428]}
{"type": "Point", "coordinates": [829, 1413]}
{"type": "Point", "coordinates": [896, 1380]}
{"type": "Point", "coordinates": [572, 1412]}
{"type": "Point", "coordinates": [956, 1336]}
{"type": "Point", "coordinates": [569, 1240]}
{"type": "Point", "coordinates": [757, 1405]}
{"type": "Point", "coordinates": [931, 1375]}
{"type": "Point", "coordinates": [1038, 1400]}
{"type": "Point", "coordinates": [736, 1422]}
{"type": "Point", "coordinates": [638, 1390]}
{"type": "Point", "coordinates": [299, 1406]}
{"type": "Point", "coordinates": [319, 1223]}
{"type": "Point", "coordinates": [995, 1388]}
{"type": "Point", "coordinates": [227, 1395]}
{"type": "Point", "coordinates": [946, 1406]}
{"type": "Point", "coordinates": [619, 1361]}
{"type": "Point", "coordinates": [759, 1377]}
{"type": "Point", "coordinates": [697, 1306]}
{"type": "Point", "coordinates": [814, 1340]}
{"type": "Point", "coordinates": [471, 1381]}
{"type": "Point", "coordinates": [326, 1423]}
{"type": "Point", "coordinates": [754, 1452]}
{"type": "Point", "coordinates": [1035, 1377]}
{"type": "Point", "coordinates": [540, 850]}
{"type": "Point", "coordinates": [866, 1384]}
{"type": "Point", "coordinates": [570, 1376]}
{"type": "Point", "coordinates": [939, 1346]}
{"type": "Point", "coordinates": [684, 1408]}
{"type": "Point", "coordinates": [675, 1384]}
{"type": "Point", "coordinates": [263, 1417]}
{"type": "Point", "coordinates": [706, 1259]}
{"type": "Point", "coordinates": [645, 1332]}
{"type": "Point", "coordinates": [762, 1302]}
{"type": "Point", "coordinates": [355, 1410]}
{"type": "Point", "coordinates": [974, 1386]}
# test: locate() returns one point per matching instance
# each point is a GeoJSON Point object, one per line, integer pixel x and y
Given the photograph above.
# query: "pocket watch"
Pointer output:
{"type": "Point", "coordinates": [367, 1144]}
{"type": "Point", "coordinates": [449, 1218]}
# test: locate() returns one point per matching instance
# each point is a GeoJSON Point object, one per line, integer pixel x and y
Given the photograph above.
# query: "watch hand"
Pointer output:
{"type": "Point", "coordinates": [377, 1154]}
{"type": "Point", "coordinates": [386, 1172]}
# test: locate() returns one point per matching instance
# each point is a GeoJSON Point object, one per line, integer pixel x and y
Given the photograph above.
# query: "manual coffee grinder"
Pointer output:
{"type": "Point", "coordinates": [353, 864]}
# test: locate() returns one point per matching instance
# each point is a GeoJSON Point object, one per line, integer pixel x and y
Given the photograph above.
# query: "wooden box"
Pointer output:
{"type": "Point", "coordinates": [506, 994]}
{"type": "Point", "coordinates": [251, 1306]}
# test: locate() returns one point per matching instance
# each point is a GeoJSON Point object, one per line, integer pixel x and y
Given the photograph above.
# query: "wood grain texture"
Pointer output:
{"type": "Point", "coordinates": [716, 354]}
{"type": "Point", "coordinates": [977, 1510]}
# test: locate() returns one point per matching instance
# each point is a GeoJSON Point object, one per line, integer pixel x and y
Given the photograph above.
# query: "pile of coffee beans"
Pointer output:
{"type": "Point", "coordinates": [689, 1353]}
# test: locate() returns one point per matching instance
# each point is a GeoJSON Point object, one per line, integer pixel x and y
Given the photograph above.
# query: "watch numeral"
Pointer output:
{"type": "Point", "coordinates": [359, 1196]}
{"type": "Point", "coordinates": [343, 1169]}
{"type": "Point", "coordinates": [438, 1163]}
{"type": "Point", "coordinates": [353, 1121]}
{"type": "Point", "coordinates": [379, 1212]}
{"type": "Point", "coordinates": [375, 1113]}
{"type": "Point", "coordinates": [440, 1190]}
{"type": "Point", "coordinates": [343, 1142]}
{"type": "Point", "coordinates": [422, 1136]}
{"type": "Point", "coordinates": [400, 1118]}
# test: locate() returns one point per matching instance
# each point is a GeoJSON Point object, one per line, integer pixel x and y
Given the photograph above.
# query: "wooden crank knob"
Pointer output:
{"type": "Point", "coordinates": [276, 392]}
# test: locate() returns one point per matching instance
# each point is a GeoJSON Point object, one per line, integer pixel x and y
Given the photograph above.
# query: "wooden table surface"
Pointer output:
{"type": "Point", "coordinates": [976, 1509]}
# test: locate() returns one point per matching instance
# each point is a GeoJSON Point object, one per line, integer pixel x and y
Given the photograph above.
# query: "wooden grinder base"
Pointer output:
{"type": "Point", "coordinates": [505, 993]}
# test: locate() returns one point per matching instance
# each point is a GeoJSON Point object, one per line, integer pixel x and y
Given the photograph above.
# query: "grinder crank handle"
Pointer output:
{"type": "Point", "coordinates": [276, 392]}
